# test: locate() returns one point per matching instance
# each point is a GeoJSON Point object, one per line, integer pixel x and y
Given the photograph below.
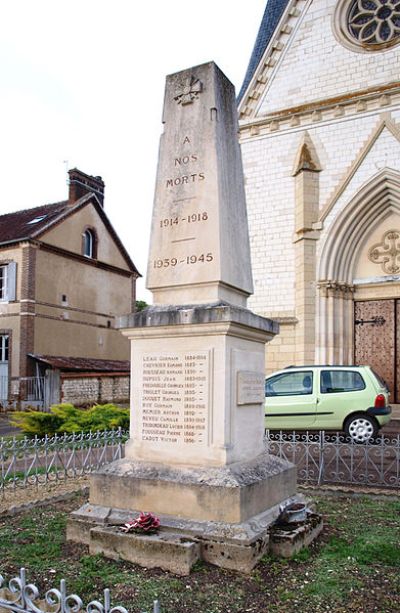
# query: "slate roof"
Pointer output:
{"type": "Point", "coordinates": [16, 227]}
{"type": "Point", "coordinates": [82, 364]}
{"type": "Point", "coordinates": [272, 14]}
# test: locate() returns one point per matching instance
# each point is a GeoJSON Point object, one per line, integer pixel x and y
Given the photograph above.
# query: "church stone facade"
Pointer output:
{"type": "Point", "coordinates": [320, 137]}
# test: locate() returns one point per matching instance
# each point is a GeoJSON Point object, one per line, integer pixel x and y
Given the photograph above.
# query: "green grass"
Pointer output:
{"type": "Point", "coordinates": [353, 567]}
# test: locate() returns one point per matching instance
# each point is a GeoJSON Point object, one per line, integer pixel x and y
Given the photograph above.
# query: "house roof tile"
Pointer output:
{"type": "Point", "coordinates": [25, 224]}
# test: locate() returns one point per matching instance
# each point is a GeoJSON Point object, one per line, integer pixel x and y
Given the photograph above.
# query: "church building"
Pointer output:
{"type": "Point", "coordinates": [320, 137]}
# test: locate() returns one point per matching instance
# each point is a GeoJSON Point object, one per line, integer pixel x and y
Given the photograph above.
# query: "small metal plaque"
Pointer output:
{"type": "Point", "coordinates": [250, 387]}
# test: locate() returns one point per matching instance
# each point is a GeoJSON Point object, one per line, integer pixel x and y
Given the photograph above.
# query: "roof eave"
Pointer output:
{"type": "Point", "coordinates": [14, 241]}
{"type": "Point", "coordinates": [257, 57]}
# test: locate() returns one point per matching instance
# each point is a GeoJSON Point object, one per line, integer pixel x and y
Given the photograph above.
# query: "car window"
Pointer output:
{"type": "Point", "coordinates": [381, 381]}
{"type": "Point", "coordinates": [334, 381]}
{"type": "Point", "coordinates": [290, 384]}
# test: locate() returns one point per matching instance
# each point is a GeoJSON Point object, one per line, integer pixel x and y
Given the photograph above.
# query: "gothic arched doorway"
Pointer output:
{"type": "Point", "coordinates": [359, 300]}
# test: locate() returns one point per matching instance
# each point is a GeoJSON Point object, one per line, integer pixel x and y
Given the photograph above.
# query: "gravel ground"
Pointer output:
{"type": "Point", "coordinates": [12, 499]}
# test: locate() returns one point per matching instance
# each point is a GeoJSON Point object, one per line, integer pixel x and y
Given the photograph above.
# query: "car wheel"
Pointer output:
{"type": "Point", "coordinates": [361, 428]}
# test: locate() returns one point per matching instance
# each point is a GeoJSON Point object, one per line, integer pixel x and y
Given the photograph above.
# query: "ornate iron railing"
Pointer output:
{"type": "Point", "coordinates": [39, 460]}
{"type": "Point", "coordinates": [22, 597]}
{"type": "Point", "coordinates": [323, 458]}
{"type": "Point", "coordinates": [320, 457]}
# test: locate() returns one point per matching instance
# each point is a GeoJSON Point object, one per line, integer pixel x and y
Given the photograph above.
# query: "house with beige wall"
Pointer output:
{"type": "Point", "coordinates": [320, 138]}
{"type": "Point", "coordinates": [64, 279]}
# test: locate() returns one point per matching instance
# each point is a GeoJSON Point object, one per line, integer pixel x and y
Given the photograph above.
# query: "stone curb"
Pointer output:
{"type": "Point", "coordinates": [15, 509]}
{"type": "Point", "coordinates": [356, 492]}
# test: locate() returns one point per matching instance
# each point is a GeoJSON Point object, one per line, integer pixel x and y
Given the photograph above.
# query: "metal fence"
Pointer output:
{"type": "Point", "coordinates": [320, 458]}
{"type": "Point", "coordinates": [323, 458]}
{"type": "Point", "coordinates": [39, 460]}
{"type": "Point", "coordinates": [32, 388]}
{"type": "Point", "coordinates": [22, 597]}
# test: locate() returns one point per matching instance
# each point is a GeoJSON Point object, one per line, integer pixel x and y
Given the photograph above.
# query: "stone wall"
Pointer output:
{"type": "Point", "coordinates": [95, 388]}
{"type": "Point", "coordinates": [311, 64]}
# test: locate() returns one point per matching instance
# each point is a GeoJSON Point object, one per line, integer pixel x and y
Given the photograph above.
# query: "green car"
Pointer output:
{"type": "Point", "coordinates": [349, 398]}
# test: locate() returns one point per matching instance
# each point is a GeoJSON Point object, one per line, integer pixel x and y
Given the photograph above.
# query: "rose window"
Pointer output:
{"type": "Point", "coordinates": [374, 22]}
{"type": "Point", "coordinates": [367, 25]}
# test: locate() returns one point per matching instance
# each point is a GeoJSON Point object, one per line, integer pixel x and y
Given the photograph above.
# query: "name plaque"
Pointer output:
{"type": "Point", "coordinates": [250, 387]}
{"type": "Point", "coordinates": [175, 397]}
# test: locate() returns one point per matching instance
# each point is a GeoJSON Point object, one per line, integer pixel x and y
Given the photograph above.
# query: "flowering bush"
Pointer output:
{"type": "Point", "coordinates": [146, 523]}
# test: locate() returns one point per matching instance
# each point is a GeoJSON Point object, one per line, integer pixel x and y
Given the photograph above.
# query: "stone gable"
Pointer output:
{"type": "Point", "coordinates": [304, 63]}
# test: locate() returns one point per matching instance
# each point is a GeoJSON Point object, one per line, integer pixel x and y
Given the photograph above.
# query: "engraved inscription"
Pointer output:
{"type": "Point", "coordinates": [188, 259]}
{"type": "Point", "coordinates": [250, 387]}
{"type": "Point", "coordinates": [185, 179]}
{"type": "Point", "coordinates": [175, 221]}
{"type": "Point", "coordinates": [175, 398]}
{"type": "Point", "coordinates": [182, 161]}
{"type": "Point", "coordinates": [184, 231]}
{"type": "Point", "coordinates": [186, 159]}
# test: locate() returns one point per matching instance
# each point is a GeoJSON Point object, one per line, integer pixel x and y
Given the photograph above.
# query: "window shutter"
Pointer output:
{"type": "Point", "coordinates": [11, 280]}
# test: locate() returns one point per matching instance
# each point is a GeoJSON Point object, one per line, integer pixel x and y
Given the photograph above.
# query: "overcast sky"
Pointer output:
{"type": "Point", "coordinates": [82, 84]}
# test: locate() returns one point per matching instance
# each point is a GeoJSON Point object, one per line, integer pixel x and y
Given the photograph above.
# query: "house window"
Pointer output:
{"type": "Point", "coordinates": [7, 281]}
{"type": "Point", "coordinates": [4, 343]}
{"type": "Point", "coordinates": [3, 348]}
{"type": "Point", "coordinates": [3, 282]}
{"type": "Point", "coordinates": [89, 243]}
{"type": "Point", "coordinates": [36, 219]}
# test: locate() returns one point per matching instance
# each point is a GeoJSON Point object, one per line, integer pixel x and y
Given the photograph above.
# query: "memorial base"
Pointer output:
{"type": "Point", "coordinates": [197, 384]}
{"type": "Point", "coordinates": [286, 541]}
{"type": "Point", "coordinates": [220, 515]}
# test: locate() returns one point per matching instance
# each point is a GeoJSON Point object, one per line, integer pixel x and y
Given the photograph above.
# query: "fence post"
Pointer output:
{"type": "Point", "coordinates": [321, 456]}
{"type": "Point", "coordinates": [156, 607]}
{"type": "Point", "coordinates": [25, 598]}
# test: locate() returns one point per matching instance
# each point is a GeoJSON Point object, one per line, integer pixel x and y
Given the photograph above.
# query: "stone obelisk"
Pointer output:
{"type": "Point", "coordinates": [195, 456]}
{"type": "Point", "coordinates": [199, 249]}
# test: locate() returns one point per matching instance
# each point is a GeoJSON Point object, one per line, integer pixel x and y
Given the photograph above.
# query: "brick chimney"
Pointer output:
{"type": "Point", "coordinates": [81, 184]}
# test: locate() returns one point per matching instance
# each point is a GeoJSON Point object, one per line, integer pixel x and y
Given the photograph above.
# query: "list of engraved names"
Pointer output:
{"type": "Point", "coordinates": [175, 397]}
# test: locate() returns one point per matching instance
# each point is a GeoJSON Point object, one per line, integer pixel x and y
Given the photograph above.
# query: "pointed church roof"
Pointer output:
{"type": "Point", "coordinates": [272, 14]}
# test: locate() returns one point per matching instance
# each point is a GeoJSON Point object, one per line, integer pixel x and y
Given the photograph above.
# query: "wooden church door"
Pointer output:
{"type": "Point", "coordinates": [377, 341]}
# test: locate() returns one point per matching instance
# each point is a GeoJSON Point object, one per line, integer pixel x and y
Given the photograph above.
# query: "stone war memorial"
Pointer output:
{"type": "Point", "coordinates": [195, 457]}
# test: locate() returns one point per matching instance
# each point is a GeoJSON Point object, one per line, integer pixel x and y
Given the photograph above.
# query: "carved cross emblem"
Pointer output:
{"type": "Point", "coordinates": [188, 91]}
{"type": "Point", "coordinates": [387, 252]}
